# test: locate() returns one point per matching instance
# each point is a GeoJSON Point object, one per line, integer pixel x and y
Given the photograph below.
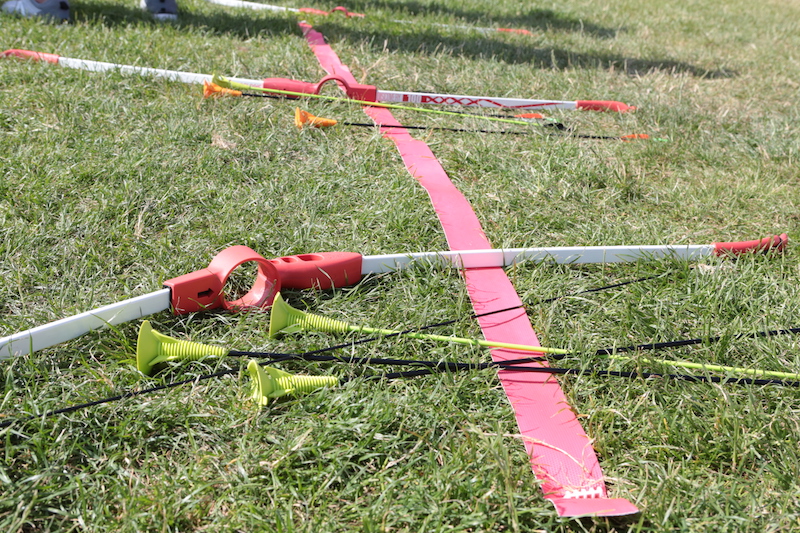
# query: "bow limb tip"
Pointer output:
{"type": "Point", "coordinates": [604, 105]}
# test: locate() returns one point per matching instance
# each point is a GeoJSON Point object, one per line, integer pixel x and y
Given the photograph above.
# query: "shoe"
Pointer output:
{"type": "Point", "coordinates": [54, 9]}
{"type": "Point", "coordinates": [161, 9]}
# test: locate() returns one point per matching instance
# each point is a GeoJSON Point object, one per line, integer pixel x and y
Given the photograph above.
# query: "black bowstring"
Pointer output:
{"type": "Point", "coordinates": [609, 373]}
{"type": "Point", "coordinates": [123, 396]}
{"type": "Point", "coordinates": [560, 127]}
{"type": "Point", "coordinates": [442, 128]}
{"type": "Point", "coordinates": [431, 367]}
{"type": "Point", "coordinates": [557, 125]}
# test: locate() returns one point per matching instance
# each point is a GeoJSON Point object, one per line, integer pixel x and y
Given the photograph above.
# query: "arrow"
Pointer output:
{"type": "Point", "coordinates": [222, 86]}
{"type": "Point", "coordinates": [154, 348]}
{"type": "Point", "coordinates": [358, 92]}
{"type": "Point", "coordinates": [349, 14]}
{"type": "Point", "coordinates": [430, 368]}
{"type": "Point", "coordinates": [211, 89]}
{"type": "Point", "coordinates": [286, 319]}
{"type": "Point", "coordinates": [304, 118]}
{"type": "Point", "coordinates": [203, 289]}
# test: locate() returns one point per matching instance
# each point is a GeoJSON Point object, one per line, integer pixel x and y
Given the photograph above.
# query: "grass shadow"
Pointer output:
{"type": "Point", "coordinates": [241, 24]}
{"type": "Point", "coordinates": [533, 19]}
{"type": "Point", "coordinates": [430, 41]}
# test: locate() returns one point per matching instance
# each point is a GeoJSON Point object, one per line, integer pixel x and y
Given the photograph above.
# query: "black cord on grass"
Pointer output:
{"type": "Point", "coordinates": [608, 373]}
{"type": "Point", "coordinates": [432, 367]}
{"type": "Point", "coordinates": [123, 396]}
{"type": "Point", "coordinates": [556, 125]}
{"type": "Point", "coordinates": [539, 302]}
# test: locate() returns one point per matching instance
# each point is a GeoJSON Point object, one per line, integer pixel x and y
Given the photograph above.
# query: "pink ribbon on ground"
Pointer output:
{"type": "Point", "coordinates": [560, 452]}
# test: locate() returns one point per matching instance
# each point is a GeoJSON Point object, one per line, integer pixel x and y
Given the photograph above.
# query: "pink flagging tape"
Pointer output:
{"type": "Point", "coordinates": [561, 453]}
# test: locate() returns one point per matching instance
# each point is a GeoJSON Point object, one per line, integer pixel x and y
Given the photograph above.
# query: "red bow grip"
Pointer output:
{"type": "Point", "coordinates": [295, 86]}
{"type": "Point", "coordinates": [319, 271]}
{"type": "Point", "coordinates": [357, 91]}
{"type": "Point", "coordinates": [204, 289]}
{"type": "Point", "coordinates": [775, 243]}
{"type": "Point", "coordinates": [604, 105]}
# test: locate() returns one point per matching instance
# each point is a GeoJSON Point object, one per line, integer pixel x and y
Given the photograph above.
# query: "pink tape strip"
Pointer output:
{"type": "Point", "coordinates": [561, 453]}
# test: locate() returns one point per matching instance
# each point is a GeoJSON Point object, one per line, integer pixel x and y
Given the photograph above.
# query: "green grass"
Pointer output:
{"type": "Point", "coordinates": [111, 184]}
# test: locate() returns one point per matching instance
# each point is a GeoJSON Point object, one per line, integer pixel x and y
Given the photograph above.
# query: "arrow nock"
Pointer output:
{"type": "Point", "coordinates": [634, 137]}
{"type": "Point", "coordinates": [224, 82]}
{"type": "Point", "coordinates": [531, 116]}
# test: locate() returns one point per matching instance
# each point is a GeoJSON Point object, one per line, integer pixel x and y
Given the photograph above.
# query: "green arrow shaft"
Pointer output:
{"type": "Point", "coordinates": [460, 340]}
{"type": "Point", "coordinates": [712, 368]}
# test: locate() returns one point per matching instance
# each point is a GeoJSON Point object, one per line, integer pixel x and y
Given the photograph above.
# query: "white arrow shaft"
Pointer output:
{"type": "Point", "coordinates": [474, 101]}
{"type": "Point", "coordinates": [73, 327]}
{"type": "Point", "coordinates": [376, 264]}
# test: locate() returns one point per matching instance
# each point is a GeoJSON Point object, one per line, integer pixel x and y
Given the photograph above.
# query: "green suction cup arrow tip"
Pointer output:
{"type": "Point", "coordinates": [268, 382]}
{"type": "Point", "coordinates": [146, 348]}
{"type": "Point", "coordinates": [263, 385]}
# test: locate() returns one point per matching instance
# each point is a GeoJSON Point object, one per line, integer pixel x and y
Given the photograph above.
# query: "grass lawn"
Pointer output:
{"type": "Point", "coordinates": [111, 184]}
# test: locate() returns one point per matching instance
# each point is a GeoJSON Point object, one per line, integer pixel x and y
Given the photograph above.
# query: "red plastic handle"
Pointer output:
{"type": "Point", "coordinates": [357, 91]}
{"type": "Point", "coordinates": [320, 271]}
{"type": "Point", "coordinates": [285, 84]}
{"type": "Point", "coordinates": [203, 289]}
{"type": "Point", "coordinates": [775, 243]}
{"type": "Point", "coordinates": [30, 54]}
{"type": "Point", "coordinates": [604, 105]}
